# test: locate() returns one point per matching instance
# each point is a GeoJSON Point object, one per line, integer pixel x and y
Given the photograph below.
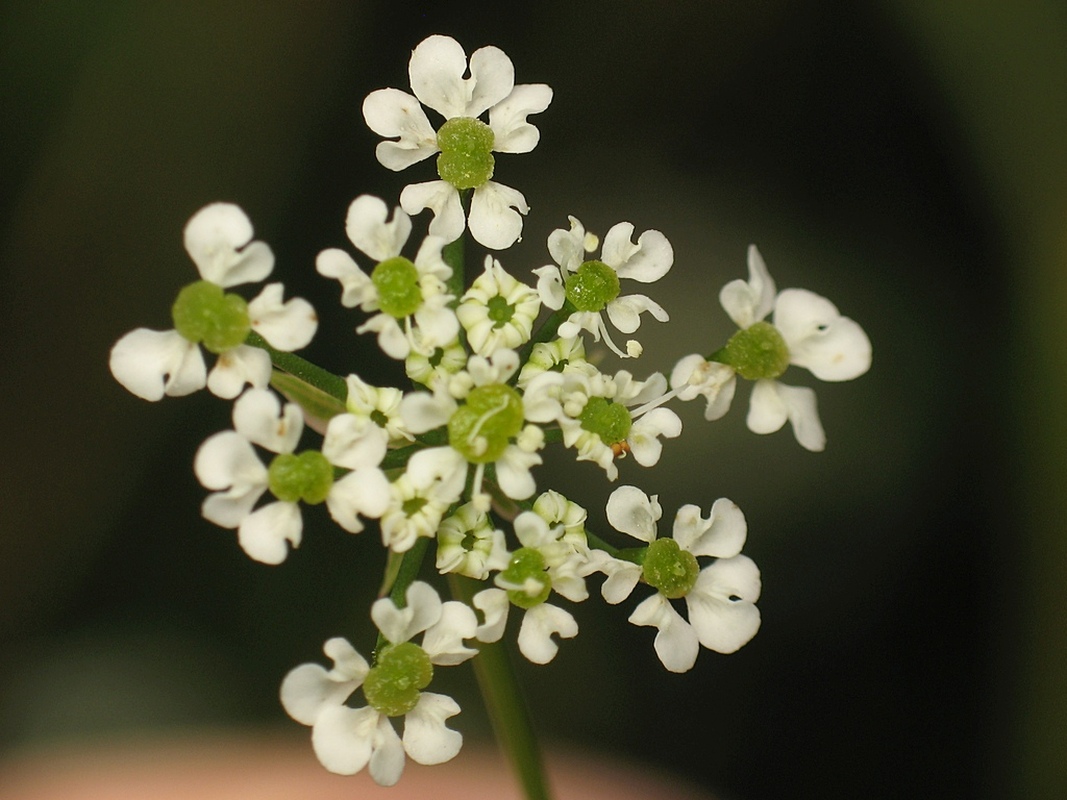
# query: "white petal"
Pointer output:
{"type": "Point", "coordinates": [286, 326]}
{"type": "Point", "coordinates": [676, 642]}
{"type": "Point", "coordinates": [356, 286]}
{"type": "Point", "coordinates": [387, 758]}
{"type": "Point", "coordinates": [348, 664]}
{"type": "Point", "coordinates": [721, 623]}
{"type": "Point", "coordinates": [643, 439]}
{"type": "Point", "coordinates": [391, 337]}
{"type": "Point", "coordinates": [495, 220]}
{"type": "Point", "coordinates": [773, 402]}
{"type": "Point", "coordinates": [362, 492]}
{"type": "Point", "coordinates": [259, 417]}
{"type": "Point", "coordinates": [354, 442]}
{"type": "Point", "coordinates": [153, 363]}
{"type": "Point", "coordinates": [511, 132]}
{"type": "Point", "coordinates": [342, 738]}
{"type": "Point", "coordinates": [368, 229]}
{"type": "Point", "coordinates": [397, 625]}
{"type": "Point", "coordinates": [227, 461]}
{"type": "Point", "coordinates": [647, 261]}
{"type": "Point", "coordinates": [493, 76]}
{"type": "Point", "coordinates": [494, 604]}
{"type": "Point", "coordinates": [309, 689]}
{"type": "Point", "coordinates": [749, 301]}
{"type": "Point", "coordinates": [437, 325]}
{"type": "Point", "coordinates": [391, 112]}
{"type": "Point", "coordinates": [443, 641]}
{"type": "Point", "coordinates": [538, 625]}
{"type": "Point", "coordinates": [427, 739]}
{"type": "Point", "coordinates": [633, 512]}
{"type": "Point", "coordinates": [263, 534]}
{"type": "Point", "coordinates": [213, 237]}
{"type": "Point", "coordinates": [721, 535]}
{"type": "Point", "coordinates": [550, 287]}
{"type": "Point", "coordinates": [422, 411]}
{"type": "Point", "coordinates": [625, 312]}
{"type": "Point", "coordinates": [442, 199]}
{"type": "Point", "coordinates": [833, 347]}
{"type": "Point", "coordinates": [243, 366]}
{"type": "Point", "coordinates": [444, 464]}
{"type": "Point", "coordinates": [513, 472]}
{"type": "Point", "coordinates": [436, 73]}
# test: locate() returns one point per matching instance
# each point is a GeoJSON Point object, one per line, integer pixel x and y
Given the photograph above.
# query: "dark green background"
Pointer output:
{"type": "Point", "coordinates": [905, 159]}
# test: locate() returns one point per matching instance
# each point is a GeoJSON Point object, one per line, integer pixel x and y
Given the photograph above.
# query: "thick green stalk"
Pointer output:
{"type": "Point", "coordinates": [304, 370]}
{"type": "Point", "coordinates": [504, 702]}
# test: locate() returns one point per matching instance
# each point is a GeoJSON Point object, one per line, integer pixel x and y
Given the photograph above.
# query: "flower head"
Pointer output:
{"type": "Point", "coordinates": [464, 142]}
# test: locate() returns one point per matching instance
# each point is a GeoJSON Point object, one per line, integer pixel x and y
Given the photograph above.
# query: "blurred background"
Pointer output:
{"type": "Point", "coordinates": [905, 159]}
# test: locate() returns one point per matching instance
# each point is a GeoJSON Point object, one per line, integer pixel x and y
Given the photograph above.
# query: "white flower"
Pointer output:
{"type": "Point", "coordinates": [377, 404]}
{"type": "Point", "coordinates": [412, 513]}
{"type": "Point", "coordinates": [414, 313]}
{"type": "Point", "coordinates": [228, 463]}
{"type": "Point", "coordinates": [647, 261]}
{"type": "Point", "coordinates": [720, 598]}
{"type": "Point", "coordinates": [468, 544]}
{"type": "Point", "coordinates": [218, 238]}
{"type": "Point", "coordinates": [436, 71]}
{"type": "Point", "coordinates": [694, 376]}
{"type": "Point", "coordinates": [817, 337]}
{"type": "Point", "coordinates": [347, 739]}
{"type": "Point", "coordinates": [497, 310]}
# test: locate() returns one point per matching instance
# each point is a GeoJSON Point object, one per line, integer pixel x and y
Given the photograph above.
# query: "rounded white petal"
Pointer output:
{"type": "Point", "coordinates": [397, 625]}
{"type": "Point", "coordinates": [354, 442]}
{"type": "Point", "coordinates": [151, 363]}
{"type": "Point", "coordinates": [749, 301]}
{"type": "Point", "coordinates": [494, 605]}
{"type": "Point", "coordinates": [644, 441]}
{"type": "Point", "coordinates": [833, 347]}
{"type": "Point", "coordinates": [362, 492]}
{"type": "Point", "coordinates": [356, 286]}
{"type": "Point", "coordinates": [234, 369]}
{"type": "Point", "coordinates": [647, 261]}
{"type": "Point", "coordinates": [391, 337]}
{"type": "Point", "coordinates": [286, 326]}
{"type": "Point", "coordinates": [721, 604]}
{"type": "Point", "coordinates": [213, 237]}
{"type": "Point", "coordinates": [309, 689]}
{"type": "Point", "coordinates": [437, 326]}
{"type": "Point", "coordinates": [443, 641]}
{"type": "Point", "coordinates": [442, 199]}
{"type": "Point", "coordinates": [422, 411]}
{"type": "Point", "coordinates": [227, 461]}
{"type": "Point", "coordinates": [625, 312]}
{"type": "Point", "coordinates": [343, 737]}
{"type": "Point", "coordinates": [369, 230]}
{"type": "Point", "coordinates": [513, 472]}
{"type": "Point", "coordinates": [676, 642]}
{"type": "Point", "coordinates": [436, 74]}
{"type": "Point", "coordinates": [773, 403]}
{"type": "Point", "coordinates": [444, 464]}
{"type": "Point", "coordinates": [259, 417]}
{"type": "Point", "coordinates": [263, 534]}
{"type": "Point", "coordinates": [511, 132]}
{"type": "Point", "coordinates": [391, 112]}
{"type": "Point", "coordinates": [633, 512]}
{"type": "Point", "coordinates": [721, 535]}
{"type": "Point", "coordinates": [550, 287]}
{"type": "Point", "coordinates": [427, 739]}
{"type": "Point", "coordinates": [495, 220]}
{"type": "Point", "coordinates": [387, 756]}
{"type": "Point", "coordinates": [538, 625]}
{"type": "Point", "coordinates": [493, 76]}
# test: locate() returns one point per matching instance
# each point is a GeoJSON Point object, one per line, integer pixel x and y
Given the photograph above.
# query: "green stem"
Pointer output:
{"type": "Point", "coordinates": [547, 330]}
{"type": "Point", "coordinates": [401, 571]}
{"type": "Point", "coordinates": [302, 369]}
{"type": "Point", "coordinates": [505, 705]}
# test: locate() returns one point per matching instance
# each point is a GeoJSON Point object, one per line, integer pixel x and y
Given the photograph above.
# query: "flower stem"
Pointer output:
{"type": "Point", "coordinates": [504, 702]}
{"type": "Point", "coordinates": [304, 370]}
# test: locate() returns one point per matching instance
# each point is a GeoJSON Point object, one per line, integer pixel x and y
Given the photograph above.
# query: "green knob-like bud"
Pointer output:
{"type": "Point", "coordinates": [592, 287]}
{"type": "Point", "coordinates": [397, 282]}
{"type": "Point", "coordinates": [466, 160]}
{"type": "Point", "coordinates": [527, 565]}
{"type": "Point", "coordinates": [607, 419]}
{"type": "Point", "coordinates": [756, 352]}
{"type": "Point", "coordinates": [307, 477]}
{"type": "Point", "coordinates": [205, 314]}
{"type": "Point", "coordinates": [670, 569]}
{"type": "Point", "coordinates": [393, 684]}
{"type": "Point", "coordinates": [482, 428]}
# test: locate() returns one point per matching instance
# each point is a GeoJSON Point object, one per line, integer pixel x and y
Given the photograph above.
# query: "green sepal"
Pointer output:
{"type": "Point", "coordinates": [316, 404]}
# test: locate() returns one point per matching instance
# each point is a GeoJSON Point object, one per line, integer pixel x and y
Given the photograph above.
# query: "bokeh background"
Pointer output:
{"type": "Point", "coordinates": [904, 158]}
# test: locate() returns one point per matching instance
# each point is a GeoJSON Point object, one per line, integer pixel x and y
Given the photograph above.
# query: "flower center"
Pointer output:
{"type": "Point", "coordinates": [466, 159]}
{"type": "Point", "coordinates": [204, 313]}
{"type": "Point", "coordinates": [397, 282]}
{"type": "Point", "coordinates": [527, 570]}
{"type": "Point", "coordinates": [413, 505]}
{"type": "Point", "coordinates": [607, 419]}
{"type": "Point", "coordinates": [392, 685]}
{"type": "Point", "coordinates": [592, 287]}
{"type": "Point", "coordinates": [500, 311]}
{"type": "Point", "coordinates": [481, 429]}
{"type": "Point", "coordinates": [670, 569]}
{"type": "Point", "coordinates": [307, 477]}
{"type": "Point", "coordinates": [758, 351]}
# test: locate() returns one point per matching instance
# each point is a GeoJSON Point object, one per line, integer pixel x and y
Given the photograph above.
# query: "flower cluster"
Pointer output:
{"type": "Point", "coordinates": [499, 372]}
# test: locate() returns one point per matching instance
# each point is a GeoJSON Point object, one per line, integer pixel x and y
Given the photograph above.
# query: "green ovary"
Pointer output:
{"type": "Point", "coordinates": [397, 282]}
{"type": "Point", "coordinates": [500, 311]}
{"type": "Point", "coordinates": [307, 477]}
{"type": "Point", "coordinates": [757, 352]}
{"type": "Point", "coordinates": [670, 569]}
{"type": "Point", "coordinates": [466, 159]}
{"type": "Point", "coordinates": [204, 313]}
{"type": "Point", "coordinates": [527, 563]}
{"type": "Point", "coordinates": [482, 429]}
{"type": "Point", "coordinates": [608, 420]}
{"type": "Point", "coordinates": [393, 684]}
{"type": "Point", "coordinates": [592, 286]}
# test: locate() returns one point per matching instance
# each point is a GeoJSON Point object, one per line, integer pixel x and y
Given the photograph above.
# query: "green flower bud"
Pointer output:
{"type": "Point", "coordinates": [466, 160]}
{"type": "Point", "coordinates": [758, 351]}
{"type": "Point", "coordinates": [592, 287]}
{"type": "Point", "coordinates": [482, 428]}
{"type": "Point", "coordinates": [205, 314]}
{"type": "Point", "coordinates": [526, 564]}
{"type": "Point", "coordinates": [607, 419]}
{"type": "Point", "coordinates": [397, 282]}
{"type": "Point", "coordinates": [307, 477]}
{"type": "Point", "coordinates": [670, 569]}
{"type": "Point", "coordinates": [393, 684]}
